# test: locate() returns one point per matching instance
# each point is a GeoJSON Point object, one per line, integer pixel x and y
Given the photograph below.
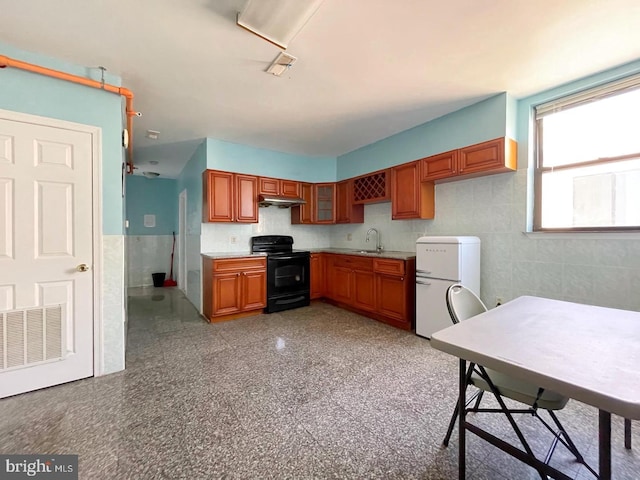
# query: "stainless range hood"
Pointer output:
{"type": "Point", "coordinates": [280, 202]}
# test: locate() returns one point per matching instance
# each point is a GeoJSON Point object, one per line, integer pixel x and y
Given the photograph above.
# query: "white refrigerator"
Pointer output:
{"type": "Point", "coordinates": [441, 262]}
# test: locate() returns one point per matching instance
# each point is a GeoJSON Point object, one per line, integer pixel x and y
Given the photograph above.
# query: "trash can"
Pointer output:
{"type": "Point", "coordinates": [158, 279]}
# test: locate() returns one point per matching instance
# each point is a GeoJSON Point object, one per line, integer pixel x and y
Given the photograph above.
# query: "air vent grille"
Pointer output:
{"type": "Point", "coordinates": [31, 335]}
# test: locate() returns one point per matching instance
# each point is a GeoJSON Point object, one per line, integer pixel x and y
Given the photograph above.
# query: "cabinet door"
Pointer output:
{"type": "Point", "coordinates": [218, 198]}
{"type": "Point", "coordinates": [226, 293]}
{"type": "Point", "coordinates": [411, 198]}
{"type": "Point", "coordinates": [246, 199]}
{"type": "Point", "coordinates": [392, 296]}
{"type": "Point", "coordinates": [439, 166]}
{"type": "Point", "coordinates": [303, 213]}
{"type": "Point", "coordinates": [290, 188]}
{"type": "Point", "coordinates": [316, 265]}
{"type": "Point", "coordinates": [364, 292]}
{"type": "Point", "coordinates": [269, 186]}
{"type": "Point", "coordinates": [492, 156]}
{"type": "Point", "coordinates": [325, 205]}
{"type": "Point", "coordinates": [341, 284]}
{"type": "Point", "coordinates": [254, 289]}
{"type": "Point", "coordinates": [346, 211]}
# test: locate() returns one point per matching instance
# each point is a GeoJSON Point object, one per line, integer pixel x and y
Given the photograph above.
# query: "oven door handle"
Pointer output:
{"type": "Point", "coordinates": [285, 258]}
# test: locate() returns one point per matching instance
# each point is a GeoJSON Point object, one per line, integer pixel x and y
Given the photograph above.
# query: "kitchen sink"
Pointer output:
{"type": "Point", "coordinates": [368, 251]}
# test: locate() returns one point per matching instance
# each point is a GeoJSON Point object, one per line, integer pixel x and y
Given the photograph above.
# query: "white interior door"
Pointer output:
{"type": "Point", "coordinates": [46, 239]}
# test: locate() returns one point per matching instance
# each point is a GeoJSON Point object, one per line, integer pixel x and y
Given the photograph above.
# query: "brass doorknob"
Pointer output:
{"type": "Point", "coordinates": [83, 267]}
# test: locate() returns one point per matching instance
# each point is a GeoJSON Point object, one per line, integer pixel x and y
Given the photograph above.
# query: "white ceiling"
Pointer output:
{"type": "Point", "coordinates": [366, 69]}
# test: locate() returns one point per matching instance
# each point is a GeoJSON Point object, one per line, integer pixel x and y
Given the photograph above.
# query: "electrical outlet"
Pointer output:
{"type": "Point", "coordinates": [233, 239]}
{"type": "Point", "coordinates": [349, 237]}
{"type": "Point", "coordinates": [499, 301]}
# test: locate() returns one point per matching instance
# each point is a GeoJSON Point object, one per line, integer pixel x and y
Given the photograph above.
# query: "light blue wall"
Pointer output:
{"type": "Point", "coordinates": [152, 196]}
{"type": "Point", "coordinates": [479, 122]}
{"type": "Point", "coordinates": [190, 179]}
{"type": "Point", "coordinates": [35, 94]}
{"type": "Point", "coordinates": [234, 157]}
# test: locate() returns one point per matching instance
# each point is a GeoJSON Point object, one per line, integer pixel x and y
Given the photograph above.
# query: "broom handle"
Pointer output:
{"type": "Point", "coordinates": [173, 248]}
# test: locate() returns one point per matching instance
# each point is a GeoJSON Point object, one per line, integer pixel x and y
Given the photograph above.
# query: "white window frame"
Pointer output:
{"type": "Point", "coordinates": [569, 101]}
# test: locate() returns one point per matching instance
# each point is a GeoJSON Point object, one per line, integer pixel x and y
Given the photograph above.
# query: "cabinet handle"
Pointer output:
{"type": "Point", "coordinates": [402, 279]}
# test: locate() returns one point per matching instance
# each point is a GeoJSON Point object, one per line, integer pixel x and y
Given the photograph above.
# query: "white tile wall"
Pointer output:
{"type": "Point", "coordinates": [149, 254]}
{"type": "Point", "coordinates": [113, 301]}
{"type": "Point", "coordinates": [583, 269]}
{"type": "Point", "coordinates": [194, 270]}
{"type": "Point", "coordinates": [217, 237]}
{"type": "Point", "coordinates": [598, 271]}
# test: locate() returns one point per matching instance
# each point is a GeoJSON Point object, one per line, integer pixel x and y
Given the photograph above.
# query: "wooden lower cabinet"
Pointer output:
{"type": "Point", "coordinates": [364, 291]}
{"type": "Point", "coordinates": [317, 275]}
{"type": "Point", "coordinates": [233, 287]}
{"type": "Point", "coordinates": [393, 303]}
{"type": "Point", "coordinates": [380, 288]}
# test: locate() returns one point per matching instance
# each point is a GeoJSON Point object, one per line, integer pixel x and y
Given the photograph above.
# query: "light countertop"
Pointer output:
{"type": "Point", "coordinates": [219, 255]}
{"type": "Point", "coordinates": [343, 251]}
{"type": "Point", "coordinates": [367, 253]}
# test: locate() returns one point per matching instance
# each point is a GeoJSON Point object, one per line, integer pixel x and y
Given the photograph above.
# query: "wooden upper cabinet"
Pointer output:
{"type": "Point", "coordinates": [290, 188]}
{"type": "Point", "coordinates": [229, 197]}
{"type": "Point", "coordinates": [410, 197]}
{"type": "Point", "coordinates": [373, 187]}
{"type": "Point", "coordinates": [486, 158]}
{"type": "Point", "coordinates": [269, 186]}
{"type": "Point", "coordinates": [495, 156]}
{"type": "Point", "coordinates": [325, 203]}
{"type": "Point", "coordinates": [304, 213]}
{"type": "Point", "coordinates": [279, 187]}
{"type": "Point", "coordinates": [218, 196]}
{"type": "Point", "coordinates": [346, 211]}
{"type": "Point", "coordinates": [246, 199]}
{"type": "Point", "coordinates": [439, 166]}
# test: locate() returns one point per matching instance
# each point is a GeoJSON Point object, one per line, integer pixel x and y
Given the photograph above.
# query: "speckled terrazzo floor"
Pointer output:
{"type": "Point", "coordinates": [316, 392]}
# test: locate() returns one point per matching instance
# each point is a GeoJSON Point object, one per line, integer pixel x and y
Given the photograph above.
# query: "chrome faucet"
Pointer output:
{"type": "Point", "coordinates": [379, 246]}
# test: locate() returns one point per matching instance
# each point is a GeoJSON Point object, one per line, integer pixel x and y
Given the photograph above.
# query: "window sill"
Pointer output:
{"type": "Point", "coordinates": [586, 235]}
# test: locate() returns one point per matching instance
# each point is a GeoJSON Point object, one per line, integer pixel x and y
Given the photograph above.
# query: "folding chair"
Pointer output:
{"type": "Point", "coordinates": [464, 304]}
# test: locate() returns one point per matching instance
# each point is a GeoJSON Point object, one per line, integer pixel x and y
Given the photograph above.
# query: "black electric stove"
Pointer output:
{"type": "Point", "coordinates": [287, 272]}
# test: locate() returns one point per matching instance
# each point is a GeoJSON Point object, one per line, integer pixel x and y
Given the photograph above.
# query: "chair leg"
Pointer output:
{"type": "Point", "coordinates": [627, 434]}
{"type": "Point", "coordinates": [569, 443]}
{"type": "Point", "coordinates": [452, 424]}
{"type": "Point", "coordinates": [478, 400]}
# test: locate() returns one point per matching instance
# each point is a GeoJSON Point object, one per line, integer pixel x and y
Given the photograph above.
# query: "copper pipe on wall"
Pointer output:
{"type": "Point", "coordinates": [125, 92]}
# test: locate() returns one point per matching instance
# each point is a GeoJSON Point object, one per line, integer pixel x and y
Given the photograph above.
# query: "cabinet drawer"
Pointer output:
{"type": "Point", "coordinates": [239, 264]}
{"type": "Point", "coordinates": [390, 266]}
{"type": "Point", "coordinates": [354, 262]}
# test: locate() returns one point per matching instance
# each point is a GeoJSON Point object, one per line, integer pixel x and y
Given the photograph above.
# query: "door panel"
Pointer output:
{"type": "Point", "coordinates": [254, 290]}
{"type": "Point", "coordinates": [46, 221]}
{"type": "Point", "coordinates": [365, 291]}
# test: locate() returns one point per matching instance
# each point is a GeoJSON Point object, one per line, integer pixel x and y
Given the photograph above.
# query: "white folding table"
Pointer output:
{"type": "Point", "coordinates": [588, 353]}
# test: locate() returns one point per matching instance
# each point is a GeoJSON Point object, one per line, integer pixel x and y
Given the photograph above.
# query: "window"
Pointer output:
{"type": "Point", "coordinates": [588, 160]}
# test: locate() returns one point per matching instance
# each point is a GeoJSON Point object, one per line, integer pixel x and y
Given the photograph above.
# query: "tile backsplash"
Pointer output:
{"type": "Point", "coordinates": [235, 237]}
{"type": "Point", "coordinates": [603, 271]}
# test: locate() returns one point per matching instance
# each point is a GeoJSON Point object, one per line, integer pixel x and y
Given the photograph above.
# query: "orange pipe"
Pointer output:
{"type": "Point", "coordinates": [125, 92]}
